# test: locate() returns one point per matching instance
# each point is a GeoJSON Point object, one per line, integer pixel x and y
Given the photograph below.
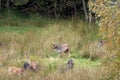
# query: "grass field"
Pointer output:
{"type": "Point", "coordinates": [32, 38]}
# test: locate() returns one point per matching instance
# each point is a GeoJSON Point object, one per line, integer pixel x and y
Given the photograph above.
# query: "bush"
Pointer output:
{"type": "Point", "coordinates": [109, 13]}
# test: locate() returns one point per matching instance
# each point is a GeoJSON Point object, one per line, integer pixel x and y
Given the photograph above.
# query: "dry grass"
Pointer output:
{"type": "Point", "coordinates": [81, 73]}
{"type": "Point", "coordinates": [17, 46]}
{"type": "Point", "coordinates": [92, 51]}
{"type": "Point", "coordinates": [78, 73]}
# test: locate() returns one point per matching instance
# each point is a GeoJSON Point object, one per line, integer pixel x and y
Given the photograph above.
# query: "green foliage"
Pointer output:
{"type": "Point", "coordinates": [17, 19]}
{"type": "Point", "coordinates": [49, 8]}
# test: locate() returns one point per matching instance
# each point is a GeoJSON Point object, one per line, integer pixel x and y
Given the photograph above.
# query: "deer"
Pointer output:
{"type": "Point", "coordinates": [34, 66]}
{"type": "Point", "coordinates": [101, 43]}
{"type": "Point", "coordinates": [100, 48]}
{"type": "Point", "coordinates": [21, 70]}
{"type": "Point", "coordinates": [61, 48]}
{"type": "Point", "coordinates": [16, 70]}
{"type": "Point", "coordinates": [70, 64]}
{"type": "Point", "coordinates": [67, 67]}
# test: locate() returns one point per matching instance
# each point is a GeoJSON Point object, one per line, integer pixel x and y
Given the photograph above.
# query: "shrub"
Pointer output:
{"type": "Point", "coordinates": [109, 12]}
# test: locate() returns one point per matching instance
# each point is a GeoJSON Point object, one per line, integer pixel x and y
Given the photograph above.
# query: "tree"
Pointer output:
{"type": "Point", "coordinates": [0, 4]}
{"type": "Point", "coordinates": [52, 8]}
{"type": "Point", "coordinates": [109, 13]}
{"type": "Point", "coordinates": [85, 10]}
{"type": "Point", "coordinates": [8, 5]}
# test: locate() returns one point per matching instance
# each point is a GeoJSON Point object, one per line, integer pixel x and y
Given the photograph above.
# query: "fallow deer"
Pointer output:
{"type": "Point", "coordinates": [15, 70]}
{"type": "Point", "coordinates": [34, 66]}
{"type": "Point", "coordinates": [61, 48]}
{"type": "Point", "coordinates": [70, 64]}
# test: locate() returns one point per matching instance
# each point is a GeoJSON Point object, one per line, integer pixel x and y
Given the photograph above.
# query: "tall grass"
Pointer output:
{"type": "Point", "coordinates": [32, 37]}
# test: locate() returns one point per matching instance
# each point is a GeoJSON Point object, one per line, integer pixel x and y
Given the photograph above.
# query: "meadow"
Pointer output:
{"type": "Point", "coordinates": [31, 38]}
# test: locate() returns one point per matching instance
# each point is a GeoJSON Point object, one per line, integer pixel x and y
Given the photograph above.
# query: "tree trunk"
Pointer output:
{"type": "Point", "coordinates": [90, 17]}
{"type": "Point", "coordinates": [0, 4]}
{"type": "Point", "coordinates": [55, 11]}
{"type": "Point", "coordinates": [8, 5]}
{"type": "Point", "coordinates": [75, 10]}
{"type": "Point", "coordinates": [85, 10]}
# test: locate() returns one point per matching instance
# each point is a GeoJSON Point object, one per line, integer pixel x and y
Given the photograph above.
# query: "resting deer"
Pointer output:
{"type": "Point", "coordinates": [101, 43]}
{"type": "Point", "coordinates": [66, 67]}
{"type": "Point", "coordinates": [70, 64]}
{"type": "Point", "coordinates": [100, 49]}
{"type": "Point", "coordinates": [15, 70]}
{"type": "Point", "coordinates": [20, 71]}
{"type": "Point", "coordinates": [34, 66]}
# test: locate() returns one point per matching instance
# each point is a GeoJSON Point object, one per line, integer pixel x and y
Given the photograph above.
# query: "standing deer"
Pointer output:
{"type": "Point", "coordinates": [61, 48]}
